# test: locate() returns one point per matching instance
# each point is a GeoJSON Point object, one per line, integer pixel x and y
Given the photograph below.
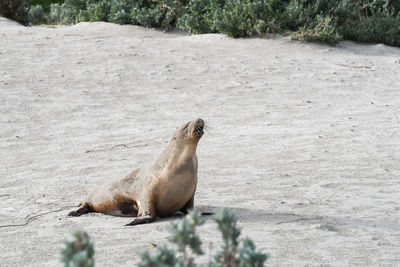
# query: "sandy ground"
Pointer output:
{"type": "Point", "coordinates": [303, 140]}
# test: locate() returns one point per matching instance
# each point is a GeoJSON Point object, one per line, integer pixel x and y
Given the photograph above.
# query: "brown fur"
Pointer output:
{"type": "Point", "coordinates": [166, 186]}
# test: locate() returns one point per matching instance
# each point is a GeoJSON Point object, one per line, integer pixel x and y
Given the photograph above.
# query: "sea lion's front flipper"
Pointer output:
{"type": "Point", "coordinates": [146, 212]}
{"type": "Point", "coordinates": [188, 206]}
{"type": "Point", "coordinates": [207, 213]}
{"type": "Point", "coordinates": [141, 220]}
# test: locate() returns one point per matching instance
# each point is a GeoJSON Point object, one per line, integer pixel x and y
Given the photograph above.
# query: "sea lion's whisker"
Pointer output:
{"type": "Point", "coordinates": [207, 128]}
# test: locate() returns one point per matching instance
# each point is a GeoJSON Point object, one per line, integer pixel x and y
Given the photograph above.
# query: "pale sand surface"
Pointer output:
{"type": "Point", "coordinates": [303, 141]}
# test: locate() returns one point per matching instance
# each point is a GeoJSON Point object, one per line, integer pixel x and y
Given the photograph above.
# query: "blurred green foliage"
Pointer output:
{"type": "Point", "coordinates": [234, 252]}
{"type": "Point", "coordinates": [78, 252]}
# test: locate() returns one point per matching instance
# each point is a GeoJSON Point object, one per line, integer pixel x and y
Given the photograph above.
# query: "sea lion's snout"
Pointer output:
{"type": "Point", "coordinates": [198, 127]}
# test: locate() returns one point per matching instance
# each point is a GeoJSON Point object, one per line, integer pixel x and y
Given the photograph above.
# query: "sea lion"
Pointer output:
{"type": "Point", "coordinates": [166, 186]}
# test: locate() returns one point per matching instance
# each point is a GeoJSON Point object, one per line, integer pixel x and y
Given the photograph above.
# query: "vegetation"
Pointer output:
{"type": "Point", "coordinates": [15, 9]}
{"type": "Point", "coordinates": [44, 3]}
{"type": "Point", "coordinates": [326, 21]}
{"type": "Point", "coordinates": [79, 251]}
{"type": "Point", "coordinates": [183, 234]}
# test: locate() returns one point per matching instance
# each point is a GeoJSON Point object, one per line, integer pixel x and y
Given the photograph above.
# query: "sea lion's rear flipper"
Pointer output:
{"type": "Point", "coordinates": [141, 220]}
{"type": "Point", "coordinates": [82, 210]}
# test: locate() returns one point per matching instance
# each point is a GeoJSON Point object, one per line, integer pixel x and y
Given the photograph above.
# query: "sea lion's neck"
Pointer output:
{"type": "Point", "coordinates": [171, 156]}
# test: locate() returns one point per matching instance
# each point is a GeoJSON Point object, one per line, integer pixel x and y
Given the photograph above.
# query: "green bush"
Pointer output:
{"type": "Point", "coordinates": [57, 14]}
{"type": "Point", "coordinates": [162, 257]}
{"type": "Point", "coordinates": [78, 252]}
{"type": "Point", "coordinates": [236, 18]}
{"type": "Point", "coordinates": [332, 21]}
{"type": "Point", "coordinates": [183, 234]}
{"type": "Point", "coordinates": [120, 11]}
{"type": "Point", "coordinates": [71, 11]}
{"type": "Point", "coordinates": [241, 18]}
{"type": "Point", "coordinates": [199, 16]}
{"type": "Point", "coordinates": [45, 3]}
{"type": "Point", "coordinates": [171, 10]}
{"type": "Point", "coordinates": [63, 14]}
{"type": "Point", "coordinates": [36, 15]}
{"type": "Point", "coordinates": [98, 11]}
{"type": "Point", "coordinates": [381, 26]}
{"type": "Point", "coordinates": [15, 9]}
{"type": "Point", "coordinates": [160, 14]}
{"type": "Point", "coordinates": [294, 15]}
{"type": "Point", "coordinates": [76, 10]}
{"type": "Point", "coordinates": [323, 29]}
{"type": "Point", "coordinates": [148, 13]}
{"type": "Point", "coordinates": [328, 21]}
{"type": "Point", "coordinates": [146, 17]}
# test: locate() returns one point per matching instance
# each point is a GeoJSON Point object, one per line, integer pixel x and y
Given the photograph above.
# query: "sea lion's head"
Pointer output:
{"type": "Point", "coordinates": [189, 133]}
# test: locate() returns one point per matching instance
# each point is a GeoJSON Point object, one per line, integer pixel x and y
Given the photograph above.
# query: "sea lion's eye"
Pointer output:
{"type": "Point", "coordinates": [184, 128]}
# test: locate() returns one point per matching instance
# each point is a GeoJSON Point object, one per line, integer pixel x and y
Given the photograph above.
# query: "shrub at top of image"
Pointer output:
{"type": "Point", "coordinates": [327, 21]}
{"type": "Point", "coordinates": [15, 9]}
{"type": "Point", "coordinates": [332, 21]}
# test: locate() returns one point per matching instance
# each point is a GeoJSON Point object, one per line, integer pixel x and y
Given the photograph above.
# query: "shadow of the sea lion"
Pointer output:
{"type": "Point", "coordinates": [329, 223]}
{"type": "Point", "coordinates": [325, 222]}
{"type": "Point", "coordinates": [204, 214]}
